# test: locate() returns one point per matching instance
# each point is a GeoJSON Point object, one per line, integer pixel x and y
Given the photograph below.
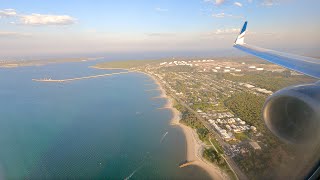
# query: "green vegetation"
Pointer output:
{"type": "Point", "coordinates": [178, 106]}
{"type": "Point", "coordinates": [178, 69]}
{"type": "Point", "coordinates": [258, 163]}
{"type": "Point", "coordinates": [241, 136]}
{"type": "Point", "coordinates": [126, 64]}
{"type": "Point", "coordinates": [248, 107]}
{"type": "Point", "coordinates": [212, 156]}
{"type": "Point", "coordinates": [211, 93]}
{"type": "Point", "coordinates": [191, 120]}
{"type": "Point", "coordinates": [217, 145]}
{"type": "Point", "coordinates": [202, 106]}
{"type": "Point", "coordinates": [203, 133]}
{"type": "Point", "coordinates": [247, 60]}
{"type": "Point", "coordinates": [269, 80]}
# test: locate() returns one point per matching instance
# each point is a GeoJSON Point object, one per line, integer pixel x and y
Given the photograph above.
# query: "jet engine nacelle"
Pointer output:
{"type": "Point", "coordinates": [293, 113]}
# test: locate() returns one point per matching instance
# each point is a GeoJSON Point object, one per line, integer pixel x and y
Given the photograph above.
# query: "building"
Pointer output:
{"type": "Point", "coordinates": [253, 128]}
{"type": "Point", "coordinates": [249, 86]}
{"type": "Point", "coordinates": [255, 146]}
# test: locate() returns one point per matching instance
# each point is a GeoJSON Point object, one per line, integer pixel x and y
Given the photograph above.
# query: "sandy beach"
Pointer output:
{"type": "Point", "coordinates": [95, 67]}
{"type": "Point", "coordinates": [194, 144]}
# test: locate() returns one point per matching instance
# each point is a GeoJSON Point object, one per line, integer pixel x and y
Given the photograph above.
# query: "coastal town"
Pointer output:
{"type": "Point", "coordinates": [221, 100]}
{"type": "Point", "coordinates": [217, 103]}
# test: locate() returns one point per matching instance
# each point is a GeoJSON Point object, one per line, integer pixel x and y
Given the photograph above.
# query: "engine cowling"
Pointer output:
{"type": "Point", "coordinates": [293, 113]}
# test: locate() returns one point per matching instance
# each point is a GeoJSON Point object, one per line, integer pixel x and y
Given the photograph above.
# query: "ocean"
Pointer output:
{"type": "Point", "coordinates": [102, 128]}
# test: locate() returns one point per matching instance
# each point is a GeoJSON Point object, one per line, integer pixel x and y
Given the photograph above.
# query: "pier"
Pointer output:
{"type": "Point", "coordinates": [79, 78]}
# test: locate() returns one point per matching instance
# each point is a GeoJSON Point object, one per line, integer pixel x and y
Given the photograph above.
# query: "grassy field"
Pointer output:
{"type": "Point", "coordinates": [270, 80]}
{"type": "Point", "coordinates": [126, 64]}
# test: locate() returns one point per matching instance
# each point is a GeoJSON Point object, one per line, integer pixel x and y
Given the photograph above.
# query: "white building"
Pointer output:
{"type": "Point", "coordinates": [255, 145]}
{"type": "Point", "coordinates": [253, 128]}
{"type": "Point", "coordinates": [249, 86]}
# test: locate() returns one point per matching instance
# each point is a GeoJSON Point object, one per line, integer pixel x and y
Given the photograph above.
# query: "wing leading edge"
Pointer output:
{"type": "Point", "coordinates": [306, 65]}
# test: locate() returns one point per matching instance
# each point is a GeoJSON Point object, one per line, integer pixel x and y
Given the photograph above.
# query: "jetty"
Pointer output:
{"type": "Point", "coordinates": [187, 163]}
{"type": "Point", "coordinates": [78, 78]}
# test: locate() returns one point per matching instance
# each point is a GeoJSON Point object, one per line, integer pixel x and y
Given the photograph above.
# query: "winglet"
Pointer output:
{"type": "Point", "coordinates": [240, 38]}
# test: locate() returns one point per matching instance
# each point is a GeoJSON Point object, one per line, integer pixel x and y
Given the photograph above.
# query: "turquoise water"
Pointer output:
{"type": "Point", "coordinates": [107, 127]}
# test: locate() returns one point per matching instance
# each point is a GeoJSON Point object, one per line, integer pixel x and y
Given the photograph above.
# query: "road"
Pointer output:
{"type": "Point", "coordinates": [225, 145]}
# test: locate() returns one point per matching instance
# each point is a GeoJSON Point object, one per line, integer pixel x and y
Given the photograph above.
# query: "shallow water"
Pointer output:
{"type": "Point", "coordinates": [108, 127]}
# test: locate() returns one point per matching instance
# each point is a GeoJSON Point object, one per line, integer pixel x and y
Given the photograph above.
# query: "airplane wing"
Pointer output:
{"type": "Point", "coordinates": [306, 65]}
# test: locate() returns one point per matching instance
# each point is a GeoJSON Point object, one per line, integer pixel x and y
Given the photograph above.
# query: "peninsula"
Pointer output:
{"type": "Point", "coordinates": [217, 103]}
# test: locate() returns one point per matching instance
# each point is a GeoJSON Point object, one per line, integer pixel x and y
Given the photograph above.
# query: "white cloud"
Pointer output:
{"type": "Point", "coordinates": [263, 2]}
{"type": "Point", "coordinates": [219, 15]}
{"type": "Point", "coordinates": [237, 4]}
{"type": "Point", "coordinates": [272, 2]}
{"type": "Point", "coordinates": [13, 34]}
{"type": "Point", "coordinates": [8, 13]}
{"type": "Point", "coordinates": [217, 2]}
{"type": "Point", "coordinates": [161, 9]}
{"type": "Point", "coordinates": [227, 31]}
{"type": "Point", "coordinates": [37, 19]}
{"type": "Point", "coordinates": [46, 19]}
{"type": "Point", "coordinates": [267, 3]}
{"type": "Point", "coordinates": [223, 15]}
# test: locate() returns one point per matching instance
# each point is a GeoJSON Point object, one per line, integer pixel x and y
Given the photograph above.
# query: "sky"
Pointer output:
{"type": "Point", "coordinates": [193, 27]}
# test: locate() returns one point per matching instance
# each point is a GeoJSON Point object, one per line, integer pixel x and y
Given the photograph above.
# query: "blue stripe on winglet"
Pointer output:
{"type": "Point", "coordinates": [244, 27]}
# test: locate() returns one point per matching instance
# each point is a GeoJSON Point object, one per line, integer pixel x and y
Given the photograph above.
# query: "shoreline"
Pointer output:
{"type": "Point", "coordinates": [193, 144]}
{"type": "Point", "coordinates": [26, 63]}
{"type": "Point", "coordinates": [95, 67]}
